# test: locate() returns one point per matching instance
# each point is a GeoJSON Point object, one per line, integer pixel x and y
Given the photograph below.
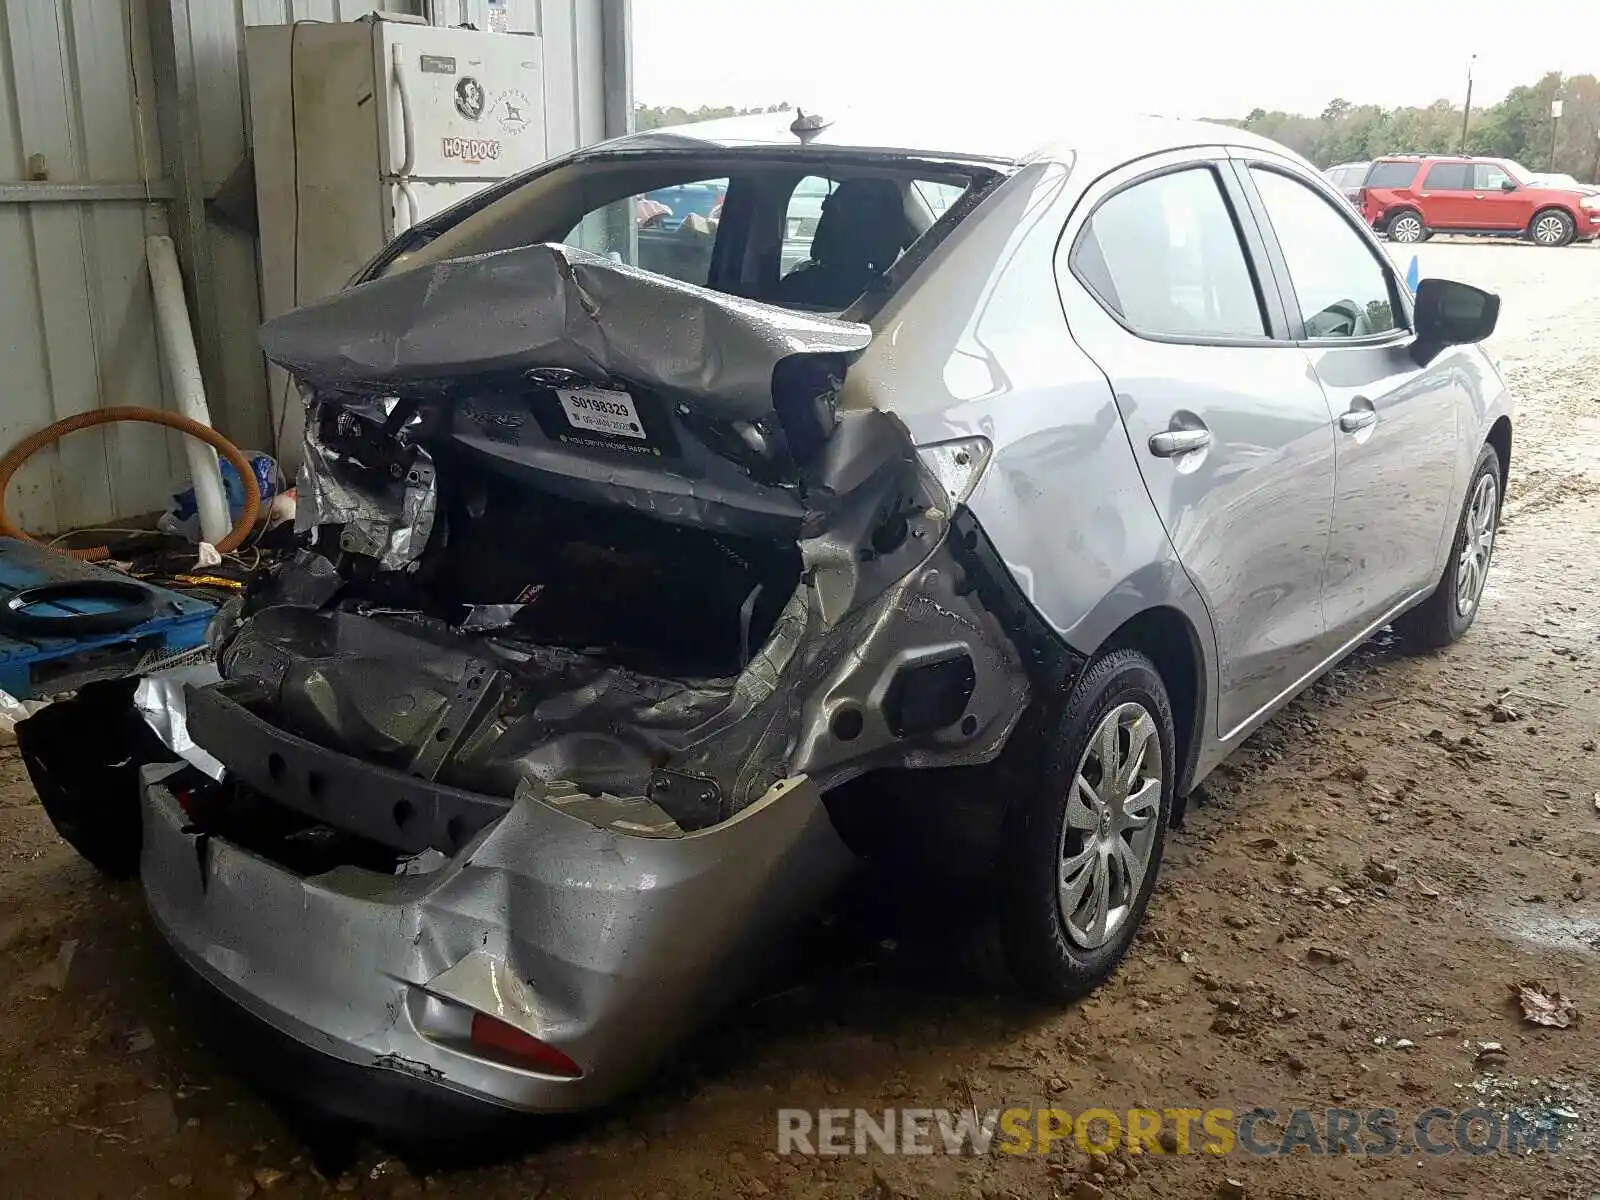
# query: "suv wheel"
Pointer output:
{"type": "Point", "coordinates": [1087, 822]}
{"type": "Point", "coordinates": [1447, 614]}
{"type": "Point", "coordinates": [1406, 226]}
{"type": "Point", "coordinates": [1552, 227]}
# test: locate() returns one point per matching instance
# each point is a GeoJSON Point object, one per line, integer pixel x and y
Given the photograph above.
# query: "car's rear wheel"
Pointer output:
{"type": "Point", "coordinates": [1551, 227]}
{"type": "Point", "coordinates": [1085, 827]}
{"type": "Point", "coordinates": [1448, 613]}
{"type": "Point", "coordinates": [1406, 226]}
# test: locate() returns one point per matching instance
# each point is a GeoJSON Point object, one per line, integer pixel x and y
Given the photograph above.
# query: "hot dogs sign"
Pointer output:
{"type": "Point", "coordinates": [511, 113]}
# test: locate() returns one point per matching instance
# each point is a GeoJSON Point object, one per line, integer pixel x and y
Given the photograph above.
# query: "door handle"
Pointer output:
{"type": "Point", "coordinates": [1357, 419]}
{"type": "Point", "coordinates": [1172, 442]}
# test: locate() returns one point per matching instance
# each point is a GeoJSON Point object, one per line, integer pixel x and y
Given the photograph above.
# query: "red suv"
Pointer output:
{"type": "Point", "coordinates": [1410, 198]}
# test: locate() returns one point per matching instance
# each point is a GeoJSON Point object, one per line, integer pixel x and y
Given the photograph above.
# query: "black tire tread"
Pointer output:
{"type": "Point", "coordinates": [1435, 624]}
{"type": "Point", "coordinates": [1388, 225]}
{"type": "Point", "coordinates": [1572, 228]}
{"type": "Point", "coordinates": [1040, 763]}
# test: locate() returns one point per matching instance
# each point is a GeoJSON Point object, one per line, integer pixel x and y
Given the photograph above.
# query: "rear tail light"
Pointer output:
{"type": "Point", "coordinates": [518, 1049]}
{"type": "Point", "coordinates": [1361, 199]}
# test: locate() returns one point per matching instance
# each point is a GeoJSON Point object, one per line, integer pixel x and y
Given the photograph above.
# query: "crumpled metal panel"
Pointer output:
{"type": "Point", "coordinates": [550, 305]}
{"type": "Point", "coordinates": [375, 521]}
{"type": "Point", "coordinates": [159, 699]}
{"type": "Point", "coordinates": [619, 944]}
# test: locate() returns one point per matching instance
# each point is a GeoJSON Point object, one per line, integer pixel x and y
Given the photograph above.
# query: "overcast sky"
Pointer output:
{"type": "Point", "coordinates": [1197, 58]}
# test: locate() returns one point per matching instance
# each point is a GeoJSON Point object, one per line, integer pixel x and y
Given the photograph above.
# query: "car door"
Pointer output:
{"type": "Point", "coordinates": [1446, 197]}
{"type": "Point", "coordinates": [1501, 202]}
{"type": "Point", "coordinates": [1230, 429]}
{"type": "Point", "coordinates": [1398, 427]}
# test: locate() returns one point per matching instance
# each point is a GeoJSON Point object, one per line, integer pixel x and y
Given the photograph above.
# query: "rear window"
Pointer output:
{"type": "Point", "coordinates": [1391, 174]}
{"type": "Point", "coordinates": [752, 225]}
{"type": "Point", "coordinates": [1449, 177]}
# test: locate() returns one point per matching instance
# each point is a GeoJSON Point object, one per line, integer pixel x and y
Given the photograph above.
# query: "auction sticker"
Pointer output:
{"type": "Point", "coordinates": [601, 411]}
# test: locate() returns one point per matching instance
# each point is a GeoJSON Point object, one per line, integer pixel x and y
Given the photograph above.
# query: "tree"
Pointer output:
{"type": "Point", "coordinates": [1518, 127]}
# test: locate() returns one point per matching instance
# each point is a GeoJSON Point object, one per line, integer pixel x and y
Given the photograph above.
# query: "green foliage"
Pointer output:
{"type": "Point", "coordinates": [1518, 127]}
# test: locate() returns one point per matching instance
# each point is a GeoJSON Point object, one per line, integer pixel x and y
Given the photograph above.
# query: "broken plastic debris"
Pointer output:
{"type": "Point", "coordinates": [481, 618]}
{"type": "Point", "coordinates": [1541, 1006]}
{"type": "Point", "coordinates": [159, 697]}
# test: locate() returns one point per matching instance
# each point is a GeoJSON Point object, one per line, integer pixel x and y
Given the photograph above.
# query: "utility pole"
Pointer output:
{"type": "Point", "coordinates": [1555, 125]}
{"type": "Point", "coordinates": [1466, 109]}
{"type": "Point", "coordinates": [1594, 175]}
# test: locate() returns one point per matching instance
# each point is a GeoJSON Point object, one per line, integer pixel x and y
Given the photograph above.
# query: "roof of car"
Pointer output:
{"type": "Point", "coordinates": [1445, 158]}
{"type": "Point", "coordinates": [960, 132]}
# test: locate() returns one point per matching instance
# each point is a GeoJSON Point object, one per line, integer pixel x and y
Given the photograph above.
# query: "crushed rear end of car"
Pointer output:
{"type": "Point", "coordinates": [509, 777]}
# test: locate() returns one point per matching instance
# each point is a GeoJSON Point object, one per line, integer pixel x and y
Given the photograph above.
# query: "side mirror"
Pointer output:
{"type": "Point", "coordinates": [1448, 313]}
{"type": "Point", "coordinates": [1508, 185]}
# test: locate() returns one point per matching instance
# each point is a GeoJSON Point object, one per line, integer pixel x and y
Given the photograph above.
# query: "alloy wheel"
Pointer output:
{"type": "Point", "coordinates": [1108, 830]}
{"type": "Point", "coordinates": [1473, 566]}
{"type": "Point", "coordinates": [1549, 230]}
{"type": "Point", "coordinates": [1406, 228]}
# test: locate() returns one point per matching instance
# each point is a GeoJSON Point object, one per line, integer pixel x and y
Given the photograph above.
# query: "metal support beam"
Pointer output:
{"type": "Point", "coordinates": [616, 65]}
{"type": "Point", "coordinates": [28, 192]}
{"type": "Point", "coordinates": [178, 116]}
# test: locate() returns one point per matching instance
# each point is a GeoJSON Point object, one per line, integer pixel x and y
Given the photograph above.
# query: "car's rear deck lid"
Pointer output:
{"type": "Point", "coordinates": [552, 306]}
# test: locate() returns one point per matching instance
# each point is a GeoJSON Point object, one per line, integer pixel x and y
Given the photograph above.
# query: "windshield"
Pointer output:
{"type": "Point", "coordinates": [812, 233]}
{"type": "Point", "coordinates": [1517, 171]}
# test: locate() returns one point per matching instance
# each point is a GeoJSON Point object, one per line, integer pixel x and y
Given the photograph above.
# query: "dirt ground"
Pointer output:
{"type": "Point", "coordinates": [1337, 924]}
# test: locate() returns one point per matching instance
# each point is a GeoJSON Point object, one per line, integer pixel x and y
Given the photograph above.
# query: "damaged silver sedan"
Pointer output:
{"type": "Point", "coordinates": [626, 554]}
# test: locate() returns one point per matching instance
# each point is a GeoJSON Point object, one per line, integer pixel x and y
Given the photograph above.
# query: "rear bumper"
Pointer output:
{"type": "Point", "coordinates": [607, 946]}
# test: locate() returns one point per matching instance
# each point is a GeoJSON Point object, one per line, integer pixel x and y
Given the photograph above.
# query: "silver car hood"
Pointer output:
{"type": "Point", "coordinates": [551, 306]}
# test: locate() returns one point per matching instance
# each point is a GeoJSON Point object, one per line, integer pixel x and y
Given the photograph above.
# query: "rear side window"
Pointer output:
{"type": "Point", "coordinates": [1449, 177]}
{"type": "Point", "coordinates": [1165, 256]}
{"type": "Point", "coordinates": [1391, 174]}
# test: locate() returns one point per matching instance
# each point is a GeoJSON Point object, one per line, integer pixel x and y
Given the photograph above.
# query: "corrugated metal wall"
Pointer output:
{"type": "Point", "coordinates": [76, 323]}
{"type": "Point", "coordinates": [76, 320]}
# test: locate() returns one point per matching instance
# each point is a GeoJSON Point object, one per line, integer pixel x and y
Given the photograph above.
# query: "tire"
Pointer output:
{"type": "Point", "coordinates": [1405, 227]}
{"type": "Point", "coordinates": [1445, 615]}
{"type": "Point", "coordinates": [1053, 946]}
{"type": "Point", "coordinates": [83, 755]}
{"type": "Point", "coordinates": [1551, 227]}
